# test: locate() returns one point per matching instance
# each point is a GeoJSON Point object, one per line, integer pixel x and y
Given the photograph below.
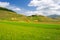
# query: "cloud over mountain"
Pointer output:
{"type": "Point", "coordinates": [42, 7]}
{"type": "Point", "coordinates": [47, 7]}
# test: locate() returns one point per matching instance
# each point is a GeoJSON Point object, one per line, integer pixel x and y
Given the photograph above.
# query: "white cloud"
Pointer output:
{"type": "Point", "coordinates": [47, 7]}
{"type": "Point", "coordinates": [9, 6]}
{"type": "Point", "coordinates": [34, 13]}
{"type": "Point", "coordinates": [18, 9]}
{"type": "Point", "coordinates": [4, 4]}
{"type": "Point", "coordinates": [34, 3]}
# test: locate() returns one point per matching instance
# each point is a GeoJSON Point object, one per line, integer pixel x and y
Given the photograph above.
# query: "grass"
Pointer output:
{"type": "Point", "coordinates": [29, 31]}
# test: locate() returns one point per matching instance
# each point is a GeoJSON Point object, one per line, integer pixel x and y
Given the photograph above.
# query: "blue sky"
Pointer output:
{"type": "Point", "coordinates": [31, 7]}
{"type": "Point", "coordinates": [19, 3]}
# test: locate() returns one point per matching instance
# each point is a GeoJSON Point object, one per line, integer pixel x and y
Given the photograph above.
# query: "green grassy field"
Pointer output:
{"type": "Point", "coordinates": [29, 31]}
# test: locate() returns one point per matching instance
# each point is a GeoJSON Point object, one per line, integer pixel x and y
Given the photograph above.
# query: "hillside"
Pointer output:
{"type": "Point", "coordinates": [5, 9]}
{"type": "Point", "coordinates": [9, 15]}
{"type": "Point", "coordinates": [40, 18]}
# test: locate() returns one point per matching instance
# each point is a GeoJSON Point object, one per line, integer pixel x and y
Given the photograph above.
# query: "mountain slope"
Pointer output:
{"type": "Point", "coordinates": [6, 14]}
{"type": "Point", "coordinates": [40, 18]}
{"type": "Point", "coordinates": [9, 15]}
{"type": "Point", "coordinates": [5, 9]}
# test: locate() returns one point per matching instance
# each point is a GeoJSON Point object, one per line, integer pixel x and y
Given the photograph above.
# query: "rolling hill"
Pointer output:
{"type": "Point", "coordinates": [40, 18]}
{"type": "Point", "coordinates": [9, 15]}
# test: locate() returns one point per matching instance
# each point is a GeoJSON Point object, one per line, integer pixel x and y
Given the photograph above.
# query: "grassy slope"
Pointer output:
{"type": "Point", "coordinates": [29, 31]}
{"type": "Point", "coordinates": [10, 16]}
{"type": "Point", "coordinates": [39, 18]}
